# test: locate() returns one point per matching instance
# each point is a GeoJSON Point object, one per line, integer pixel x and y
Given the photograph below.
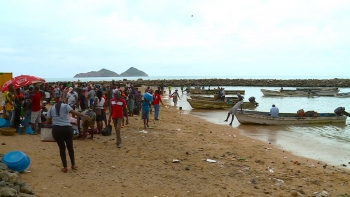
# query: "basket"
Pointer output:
{"type": "Point", "coordinates": [7, 131]}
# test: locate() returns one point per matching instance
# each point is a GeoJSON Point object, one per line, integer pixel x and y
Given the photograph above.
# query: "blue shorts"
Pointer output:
{"type": "Point", "coordinates": [145, 115]}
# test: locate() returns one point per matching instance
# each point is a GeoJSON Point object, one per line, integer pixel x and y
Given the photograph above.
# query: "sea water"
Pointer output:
{"type": "Point", "coordinates": [326, 143]}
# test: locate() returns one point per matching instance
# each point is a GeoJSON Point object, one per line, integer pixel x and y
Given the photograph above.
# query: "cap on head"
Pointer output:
{"type": "Point", "coordinates": [70, 89]}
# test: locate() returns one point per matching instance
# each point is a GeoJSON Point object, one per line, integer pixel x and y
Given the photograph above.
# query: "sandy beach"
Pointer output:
{"type": "Point", "coordinates": [144, 165]}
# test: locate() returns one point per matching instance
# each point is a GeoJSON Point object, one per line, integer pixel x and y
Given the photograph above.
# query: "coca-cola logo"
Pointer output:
{"type": "Point", "coordinates": [7, 83]}
{"type": "Point", "coordinates": [21, 80]}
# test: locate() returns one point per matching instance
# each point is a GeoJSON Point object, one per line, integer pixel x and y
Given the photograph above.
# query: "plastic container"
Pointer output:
{"type": "Point", "coordinates": [21, 130]}
{"type": "Point", "coordinates": [16, 160]}
{"type": "Point", "coordinates": [4, 122]}
{"type": "Point", "coordinates": [148, 96]}
{"type": "Point", "coordinates": [29, 130]}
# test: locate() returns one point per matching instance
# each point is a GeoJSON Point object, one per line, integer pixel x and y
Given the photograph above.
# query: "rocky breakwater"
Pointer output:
{"type": "Point", "coordinates": [10, 186]}
{"type": "Point", "coordinates": [247, 82]}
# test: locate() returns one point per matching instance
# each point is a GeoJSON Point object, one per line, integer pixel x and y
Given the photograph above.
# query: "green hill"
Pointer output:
{"type": "Point", "coordinates": [133, 72]}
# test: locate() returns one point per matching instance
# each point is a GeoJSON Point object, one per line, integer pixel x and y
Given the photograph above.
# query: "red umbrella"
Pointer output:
{"type": "Point", "coordinates": [21, 81]}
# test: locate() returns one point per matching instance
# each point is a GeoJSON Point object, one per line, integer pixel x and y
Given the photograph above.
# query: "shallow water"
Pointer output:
{"type": "Point", "coordinates": [327, 143]}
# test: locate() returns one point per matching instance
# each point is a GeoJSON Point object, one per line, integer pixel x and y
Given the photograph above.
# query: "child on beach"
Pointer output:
{"type": "Point", "coordinates": [145, 112]}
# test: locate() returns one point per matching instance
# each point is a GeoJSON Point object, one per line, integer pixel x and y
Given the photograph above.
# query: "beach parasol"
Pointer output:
{"type": "Point", "coordinates": [21, 81]}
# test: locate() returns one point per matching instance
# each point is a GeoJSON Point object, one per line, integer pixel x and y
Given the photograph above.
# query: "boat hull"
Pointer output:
{"type": "Point", "coordinates": [342, 95]}
{"type": "Point", "coordinates": [215, 91]}
{"type": "Point", "coordinates": [264, 119]}
{"type": "Point", "coordinates": [205, 104]}
{"type": "Point", "coordinates": [298, 93]}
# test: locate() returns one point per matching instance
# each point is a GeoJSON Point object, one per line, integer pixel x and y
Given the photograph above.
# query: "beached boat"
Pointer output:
{"type": "Point", "coordinates": [218, 104]}
{"type": "Point", "coordinates": [214, 91]}
{"type": "Point", "coordinates": [234, 98]}
{"type": "Point", "coordinates": [298, 93]}
{"type": "Point", "coordinates": [264, 118]}
{"type": "Point", "coordinates": [316, 88]}
{"type": "Point", "coordinates": [342, 94]}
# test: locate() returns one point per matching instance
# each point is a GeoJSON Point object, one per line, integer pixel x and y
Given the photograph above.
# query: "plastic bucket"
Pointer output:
{"type": "Point", "coordinates": [4, 123]}
{"type": "Point", "coordinates": [16, 160]}
{"type": "Point", "coordinates": [22, 130]}
{"type": "Point", "coordinates": [29, 130]}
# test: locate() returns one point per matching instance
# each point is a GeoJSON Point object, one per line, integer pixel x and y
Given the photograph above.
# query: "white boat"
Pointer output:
{"type": "Point", "coordinates": [342, 94]}
{"type": "Point", "coordinates": [298, 93]}
{"type": "Point", "coordinates": [264, 118]}
{"type": "Point", "coordinates": [316, 88]}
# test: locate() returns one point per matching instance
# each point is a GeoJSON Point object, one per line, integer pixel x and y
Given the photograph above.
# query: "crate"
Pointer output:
{"type": "Point", "coordinates": [7, 131]}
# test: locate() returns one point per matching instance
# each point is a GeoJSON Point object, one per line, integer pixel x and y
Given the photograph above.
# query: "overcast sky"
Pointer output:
{"type": "Point", "coordinates": [58, 39]}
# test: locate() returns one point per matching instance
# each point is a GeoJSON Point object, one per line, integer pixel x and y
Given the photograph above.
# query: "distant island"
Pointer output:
{"type": "Point", "coordinates": [131, 72]}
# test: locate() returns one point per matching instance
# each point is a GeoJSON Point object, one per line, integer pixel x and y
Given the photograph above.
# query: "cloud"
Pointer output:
{"type": "Point", "coordinates": [222, 35]}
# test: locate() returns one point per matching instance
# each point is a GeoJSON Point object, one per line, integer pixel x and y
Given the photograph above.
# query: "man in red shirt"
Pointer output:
{"type": "Point", "coordinates": [35, 118]}
{"type": "Point", "coordinates": [156, 99]}
{"type": "Point", "coordinates": [118, 106]}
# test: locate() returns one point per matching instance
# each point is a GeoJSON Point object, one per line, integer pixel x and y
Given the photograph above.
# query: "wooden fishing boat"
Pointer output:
{"type": "Point", "coordinates": [234, 98]}
{"type": "Point", "coordinates": [215, 91]}
{"type": "Point", "coordinates": [298, 93]}
{"type": "Point", "coordinates": [218, 104]}
{"type": "Point", "coordinates": [264, 118]}
{"type": "Point", "coordinates": [342, 94]}
{"type": "Point", "coordinates": [316, 88]}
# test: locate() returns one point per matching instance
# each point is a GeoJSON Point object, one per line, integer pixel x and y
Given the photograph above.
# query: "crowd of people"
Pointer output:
{"type": "Point", "coordinates": [89, 104]}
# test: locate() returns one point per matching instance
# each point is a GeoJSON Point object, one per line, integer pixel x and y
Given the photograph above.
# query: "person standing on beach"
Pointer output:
{"type": "Point", "coordinates": [62, 131]}
{"type": "Point", "coordinates": [118, 106]}
{"type": "Point", "coordinates": [90, 96]}
{"type": "Point", "coordinates": [35, 118]}
{"type": "Point", "coordinates": [169, 90]}
{"type": "Point", "coordinates": [9, 103]}
{"type": "Point", "coordinates": [145, 112]}
{"type": "Point", "coordinates": [82, 100]}
{"type": "Point", "coordinates": [234, 109]}
{"type": "Point", "coordinates": [98, 106]}
{"type": "Point", "coordinates": [175, 95]}
{"type": "Point", "coordinates": [156, 100]}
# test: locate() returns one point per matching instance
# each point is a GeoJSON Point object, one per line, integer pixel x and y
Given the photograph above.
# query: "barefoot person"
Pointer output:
{"type": "Point", "coordinates": [175, 96]}
{"type": "Point", "coordinates": [145, 112]}
{"type": "Point", "coordinates": [62, 130]}
{"type": "Point", "coordinates": [234, 109]}
{"type": "Point", "coordinates": [118, 106]}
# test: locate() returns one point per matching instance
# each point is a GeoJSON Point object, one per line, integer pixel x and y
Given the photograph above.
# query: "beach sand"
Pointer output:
{"type": "Point", "coordinates": [144, 165]}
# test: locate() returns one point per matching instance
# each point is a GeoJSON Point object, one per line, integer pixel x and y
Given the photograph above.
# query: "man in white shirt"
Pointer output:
{"type": "Point", "coordinates": [72, 98]}
{"type": "Point", "coordinates": [234, 109]}
{"type": "Point", "coordinates": [274, 111]}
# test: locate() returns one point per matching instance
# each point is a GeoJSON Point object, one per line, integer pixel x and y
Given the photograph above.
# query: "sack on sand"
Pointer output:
{"type": "Point", "coordinates": [107, 131]}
